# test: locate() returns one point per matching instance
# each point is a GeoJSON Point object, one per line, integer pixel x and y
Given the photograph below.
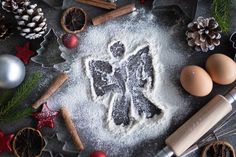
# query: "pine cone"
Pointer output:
{"type": "Point", "coordinates": [31, 21]}
{"type": "Point", "coordinates": [5, 28]}
{"type": "Point", "coordinates": [12, 5]}
{"type": "Point", "coordinates": [203, 34]}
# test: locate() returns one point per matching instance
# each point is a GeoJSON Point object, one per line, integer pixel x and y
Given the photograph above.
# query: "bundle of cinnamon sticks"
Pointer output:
{"type": "Point", "coordinates": [99, 3]}
{"type": "Point", "coordinates": [113, 14]}
{"type": "Point", "coordinates": [108, 5]}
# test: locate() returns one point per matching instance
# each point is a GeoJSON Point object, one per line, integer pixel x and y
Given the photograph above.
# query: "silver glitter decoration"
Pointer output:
{"type": "Point", "coordinates": [12, 71]}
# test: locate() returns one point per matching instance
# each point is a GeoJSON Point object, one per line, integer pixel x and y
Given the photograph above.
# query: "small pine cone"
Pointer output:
{"type": "Point", "coordinates": [12, 5]}
{"type": "Point", "coordinates": [31, 21]}
{"type": "Point", "coordinates": [5, 28]}
{"type": "Point", "coordinates": [203, 34]}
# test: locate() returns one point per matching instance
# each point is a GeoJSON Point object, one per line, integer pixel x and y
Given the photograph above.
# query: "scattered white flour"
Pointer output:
{"type": "Point", "coordinates": [93, 115]}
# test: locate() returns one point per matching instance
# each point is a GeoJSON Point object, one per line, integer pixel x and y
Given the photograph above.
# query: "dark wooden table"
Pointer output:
{"type": "Point", "coordinates": [53, 17]}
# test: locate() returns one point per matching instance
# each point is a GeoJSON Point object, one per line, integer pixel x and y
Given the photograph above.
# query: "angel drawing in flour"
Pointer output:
{"type": "Point", "coordinates": [126, 79]}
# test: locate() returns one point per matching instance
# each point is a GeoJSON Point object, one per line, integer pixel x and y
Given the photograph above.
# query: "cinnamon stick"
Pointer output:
{"type": "Point", "coordinates": [71, 128]}
{"type": "Point", "coordinates": [99, 3]}
{"type": "Point", "coordinates": [115, 13]}
{"type": "Point", "coordinates": [54, 86]}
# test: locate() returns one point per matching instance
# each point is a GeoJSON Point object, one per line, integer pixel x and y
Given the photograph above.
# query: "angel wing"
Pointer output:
{"type": "Point", "coordinates": [140, 69]}
{"type": "Point", "coordinates": [105, 81]}
{"type": "Point", "coordinates": [144, 105]}
{"type": "Point", "coordinates": [101, 72]}
{"type": "Point", "coordinates": [140, 73]}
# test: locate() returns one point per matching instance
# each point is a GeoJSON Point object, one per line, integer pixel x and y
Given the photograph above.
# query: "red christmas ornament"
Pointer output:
{"type": "Point", "coordinates": [98, 153]}
{"type": "Point", "coordinates": [46, 117]}
{"type": "Point", "coordinates": [5, 142]}
{"type": "Point", "coordinates": [142, 1]}
{"type": "Point", "coordinates": [70, 40]}
{"type": "Point", "coordinates": [24, 53]}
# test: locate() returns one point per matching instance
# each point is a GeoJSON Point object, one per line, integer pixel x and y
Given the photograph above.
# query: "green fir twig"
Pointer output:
{"type": "Point", "coordinates": [6, 96]}
{"type": "Point", "coordinates": [8, 110]}
{"type": "Point", "coordinates": [221, 12]}
{"type": "Point", "coordinates": [16, 115]}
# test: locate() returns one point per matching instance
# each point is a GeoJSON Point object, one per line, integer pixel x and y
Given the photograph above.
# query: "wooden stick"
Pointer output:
{"type": "Point", "coordinates": [99, 3]}
{"type": "Point", "coordinates": [71, 128]}
{"type": "Point", "coordinates": [115, 13]}
{"type": "Point", "coordinates": [54, 86]}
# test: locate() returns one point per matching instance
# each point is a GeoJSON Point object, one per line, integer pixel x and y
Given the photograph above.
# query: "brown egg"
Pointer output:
{"type": "Point", "coordinates": [196, 80]}
{"type": "Point", "coordinates": [221, 68]}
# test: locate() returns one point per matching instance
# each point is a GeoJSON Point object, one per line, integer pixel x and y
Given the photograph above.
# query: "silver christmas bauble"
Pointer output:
{"type": "Point", "coordinates": [12, 71]}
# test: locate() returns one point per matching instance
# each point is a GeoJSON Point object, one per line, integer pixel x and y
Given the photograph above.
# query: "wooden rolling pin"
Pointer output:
{"type": "Point", "coordinates": [192, 130]}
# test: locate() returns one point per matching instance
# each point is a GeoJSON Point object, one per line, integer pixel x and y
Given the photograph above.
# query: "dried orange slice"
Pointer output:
{"type": "Point", "coordinates": [74, 20]}
{"type": "Point", "coordinates": [28, 142]}
{"type": "Point", "coordinates": [218, 149]}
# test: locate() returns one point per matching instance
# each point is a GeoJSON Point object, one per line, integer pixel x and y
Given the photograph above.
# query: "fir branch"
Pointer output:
{"type": "Point", "coordinates": [221, 12]}
{"type": "Point", "coordinates": [6, 96]}
{"type": "Point", "coordinates": [17, 115]}
{"type": "Point", "coordinates": [21, 93]}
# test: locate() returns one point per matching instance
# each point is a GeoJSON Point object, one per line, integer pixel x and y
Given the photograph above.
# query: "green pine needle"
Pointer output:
{"type": "Point", "coordinates": [6, 96]}
{"type": "Point", "coordinates": [16, 115]}
{"type": "Point", "coordinates": [8, 110]}
{"type": "Point", "coordinates": [221, 12]}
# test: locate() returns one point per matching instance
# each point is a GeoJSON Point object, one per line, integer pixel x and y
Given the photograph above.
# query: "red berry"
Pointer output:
{"type": "Point", "coordinates": [70, 40]}
{"type": "Point", "coordinates": [98, 153]}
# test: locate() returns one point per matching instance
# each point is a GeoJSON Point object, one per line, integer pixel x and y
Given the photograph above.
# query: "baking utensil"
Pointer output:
{"type": "Point", "coordinates": [198, 125]}
{"type": "Point", "coordinates": [187, 7]}
{"type": "Point", "coordinates": [49, 55]}
{"type": "Point", "coordinates": [225, 128]}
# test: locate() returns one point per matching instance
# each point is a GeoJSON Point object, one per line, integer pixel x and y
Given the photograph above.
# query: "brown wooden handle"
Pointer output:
{"type": "Point", "coordinates": [71, 128]}
{"type": "Point", "coordinates": [115, 13]}
{"type": "Point", "coordinates": [99, 3]}
{"type": "Point", "coordinates": [54, 86]}
{"type": "Point", "coordinates": [199, 124]}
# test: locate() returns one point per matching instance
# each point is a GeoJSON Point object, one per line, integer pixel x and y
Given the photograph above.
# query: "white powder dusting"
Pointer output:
{"type": "Point", "coordinates": [92, 115]}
